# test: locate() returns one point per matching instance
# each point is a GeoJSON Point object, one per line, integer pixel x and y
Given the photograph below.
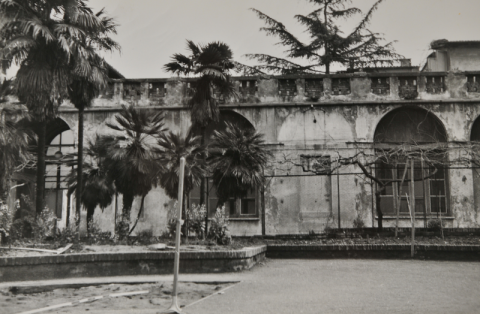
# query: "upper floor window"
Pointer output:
{"type": "Point", "coordinates": [381, 85]}
{"type": "Point", "coordinates": [313, 88]}
{"type": "Point", "coordinates": [434, 84]}
{"type": "Point", "coordinates": [248, 87]}
{"type": "Point", "coordinates": [407, 88]}
{"type": "Point", "coordinates": [132, 91]}
{"type": "Point", "coordinates": [156, 90]}
{"type": "Point", "coordinates": [340, 86]}
{"type": "Point", "coordinates": [287, 87]}
{"type": "Point", "coordinates": [473, 85]}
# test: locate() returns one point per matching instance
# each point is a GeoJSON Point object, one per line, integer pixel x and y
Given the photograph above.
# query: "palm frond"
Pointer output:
{"type": "Point", "coordinates": [237, 158]}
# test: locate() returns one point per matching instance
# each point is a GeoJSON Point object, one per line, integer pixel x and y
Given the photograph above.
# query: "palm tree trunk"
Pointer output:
{"type": "Point", "coordinates": [140, 211]}
{"type": "Point", "coordinates": [203, 185]}
{"type": "Point", "coordinates": [127, 208]}
{"type": "Point", "coordinates": [39, 199]}
{"type": "Point", "coordinates": [78, 196]}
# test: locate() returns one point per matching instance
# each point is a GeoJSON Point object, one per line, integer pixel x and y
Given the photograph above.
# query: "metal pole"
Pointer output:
{"type": "Point", "coordinates": [174, 308]}
{"type": "Point", "coordinates": [412, 198]}
{"type": "Point", "coordinates": [338, 199]}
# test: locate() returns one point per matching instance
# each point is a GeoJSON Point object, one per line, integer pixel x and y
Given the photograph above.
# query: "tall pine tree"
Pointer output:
{"type": "Point", "coordinates": [328, 44]}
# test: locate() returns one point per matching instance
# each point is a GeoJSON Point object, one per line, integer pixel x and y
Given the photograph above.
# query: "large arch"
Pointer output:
{"type": "Point", "coordinates": [245, 207]}
{"type": "Point", "coordinates": [225, 116]}
{"type": "Point", "coordinates": [475, 137]}
{"type": "Point", "coordinates": [410, 124]}
{"type": "Point", "coordinates": [415, 127]}
{"type": "Point", "coordinates": [60, 146]}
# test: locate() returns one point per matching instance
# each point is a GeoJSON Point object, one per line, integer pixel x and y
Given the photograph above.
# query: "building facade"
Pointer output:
{"type": "Point", "coordinates": [309, 123]}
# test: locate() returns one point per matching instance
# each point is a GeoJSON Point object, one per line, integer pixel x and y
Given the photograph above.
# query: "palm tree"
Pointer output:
{"type": "Point", "coordinates": [90, 77]}
{"type": "Point", "coordinates": [97, 187]}
{"type": "Point", "coordinates": [14, 140]}
{"type": "Point", "coordinates": [173, 147]}
{"type": "Point", "coordinates": [237, 159]}
{"type": "Point", "coordinates": [211, 64]}
{"type": "Point", "coordinates": [46, 38]}
{"type": "Point", "coordinates": [132, 157]}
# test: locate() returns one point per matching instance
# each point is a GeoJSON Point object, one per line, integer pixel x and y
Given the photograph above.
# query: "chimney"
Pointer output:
{"type": "Point", "coordinates": [405, 62]}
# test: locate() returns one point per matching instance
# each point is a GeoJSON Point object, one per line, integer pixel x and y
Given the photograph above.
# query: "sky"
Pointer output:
{"type": "Point", "coordinates": [151, 31]}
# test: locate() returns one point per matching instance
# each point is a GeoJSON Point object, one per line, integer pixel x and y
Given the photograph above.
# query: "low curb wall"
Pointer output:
{"type": "Point", "coordinates": [382, 251]}
{"type": "Point", "coordinates": [126, 264]}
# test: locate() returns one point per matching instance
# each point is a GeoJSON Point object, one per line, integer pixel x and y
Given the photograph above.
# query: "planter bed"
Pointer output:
{"type": "Point", "coordinates": [382, 251]}
{"type": "Point", "coordinates": [126, 263]}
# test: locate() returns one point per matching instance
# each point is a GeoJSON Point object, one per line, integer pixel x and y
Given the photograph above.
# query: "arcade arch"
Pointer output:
{"type": "Point", "coordinates": [415, 128]}
{"type": "Point", "coordinates": [245, 207]}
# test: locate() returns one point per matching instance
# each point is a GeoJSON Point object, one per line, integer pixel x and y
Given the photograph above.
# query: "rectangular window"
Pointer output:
{"type": "Point", "coordinates": [132, 91]}
{"type": "Point", "coordinates": [434, 84]}
{"type": "Point", "coordinates": [313, 88]}
{"type": "Point", "coordinates": [340, 86]}
{"type": "Point", "coordinates": [248, 88]}
{"type": "Point", "coordinates": [244, 207]}
{"type": "Point", "coordinates": [473, 84]}
{"type": "Point", "coordinates": [407, 88]}
{"type": "Point", "coordinates": [430, 191]}
{"type": "Point", "coordinates": [156, 91]}
{"type": "Point", "coordinates": [287, 87]}
{"type": "Point", "coordinates": [381, 85]}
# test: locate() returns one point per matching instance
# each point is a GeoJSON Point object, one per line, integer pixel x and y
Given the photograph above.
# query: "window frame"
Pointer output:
{"type": "Point", "coordinates": [213, 200]}
{"type": "Point", "coordinates": [426, 198]}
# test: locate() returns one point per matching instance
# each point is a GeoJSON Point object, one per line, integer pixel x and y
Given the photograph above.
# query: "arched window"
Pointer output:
{"type": "Point", "coordinates": [475, 138]}
{"type": "Point", "coordinates": [60, 150]}
{"type": "Point", "coordinates": [423, 134]}
{"type": "Point", "coordinates": [240, 208]}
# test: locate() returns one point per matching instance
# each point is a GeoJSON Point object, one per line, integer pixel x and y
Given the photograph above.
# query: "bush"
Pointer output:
{"type": "Point", "coordinates": [22, 227]}
{"type": "Point", "coordinates": [6, 220]}
{"type": "Point", "coordinates": [28, 225]}
{"type": "Point", "coordinates": [68, 234]}
{"type": "Point", "coordinates": [45, 225]}
{"type": "Point", "coordinates": [96, 235]}
{"type": "Point", "coordinates": [435, 224]}
{"type": "Point", "coordinates": [358, 223]}
{"type": "Point", "coordinates": [218, 230]}
{"type": "Point", "coordinates": [196, 220]}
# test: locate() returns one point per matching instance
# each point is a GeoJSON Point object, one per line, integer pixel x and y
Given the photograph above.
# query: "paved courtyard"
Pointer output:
{"type": "Point", "coordinates": [330, 286]}
{"type": "Point", "coordinates": [352, 286]}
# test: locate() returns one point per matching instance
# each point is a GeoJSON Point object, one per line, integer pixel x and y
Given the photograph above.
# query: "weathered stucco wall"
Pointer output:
{"type": "Point", "coordinates": [295, 125]}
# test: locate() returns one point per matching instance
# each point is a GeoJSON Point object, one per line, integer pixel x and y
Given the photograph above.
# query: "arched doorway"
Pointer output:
{"type": "Point", "coordinates": [61, 150]}
{"type": "Point", "coordinates": [423, 136]}
{"type": "Point", "coordinates": [240, 208]}
{"type": "Point", "coordinates": [475, 139]}
{"type": "Point", "coordinates": [59, 154]}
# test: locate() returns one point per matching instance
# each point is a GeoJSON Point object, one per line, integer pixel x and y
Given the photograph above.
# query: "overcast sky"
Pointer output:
{"type": "Point", "coordinates": [150, 31]}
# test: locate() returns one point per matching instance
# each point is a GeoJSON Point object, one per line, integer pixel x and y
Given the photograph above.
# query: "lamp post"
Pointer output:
{"type": "Point", "coordinates": [174, 308]}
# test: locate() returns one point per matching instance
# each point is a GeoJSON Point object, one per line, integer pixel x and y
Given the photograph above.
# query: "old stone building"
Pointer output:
{"type": "Point", "coordinates": [310, 120]}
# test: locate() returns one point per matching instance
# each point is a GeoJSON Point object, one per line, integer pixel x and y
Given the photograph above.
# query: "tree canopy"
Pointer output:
{"type": "Point", "coordinates": [328, 44]}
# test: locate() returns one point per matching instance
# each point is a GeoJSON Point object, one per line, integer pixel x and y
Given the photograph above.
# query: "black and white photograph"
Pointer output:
{"type": "Point", "coordinates": [240, 156]}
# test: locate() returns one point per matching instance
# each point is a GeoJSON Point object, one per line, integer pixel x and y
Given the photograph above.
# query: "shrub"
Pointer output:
{"type": "Point", "coordinates": [218, 230]}
{"type": "Point", "coordinates": [6, 220]}
{"type": "Point", "coordinates": [96, 235]}
{"type": "Point", "coordinates": [27, 225]}
{"type": "Point", "coordinates": [358, 223]}
{"type": "Point", "coordinates": [68, 234]}
{"type": "Point", "coordinates": [435, 224]}
{"type": "Point", "coordinates": [22, 227]}
{"type": "Point", "coordinates": [196, 219]}
{"type": "Point", "coordinates": [45, 225]}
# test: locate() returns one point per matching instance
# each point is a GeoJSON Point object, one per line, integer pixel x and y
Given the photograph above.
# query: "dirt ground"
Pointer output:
{"type": "Point", "coordinates": [158, 297]}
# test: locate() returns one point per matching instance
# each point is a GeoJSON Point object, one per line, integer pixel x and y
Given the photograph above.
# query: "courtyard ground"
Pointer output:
{"type": "Point", "coordinates": [316, 286]}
